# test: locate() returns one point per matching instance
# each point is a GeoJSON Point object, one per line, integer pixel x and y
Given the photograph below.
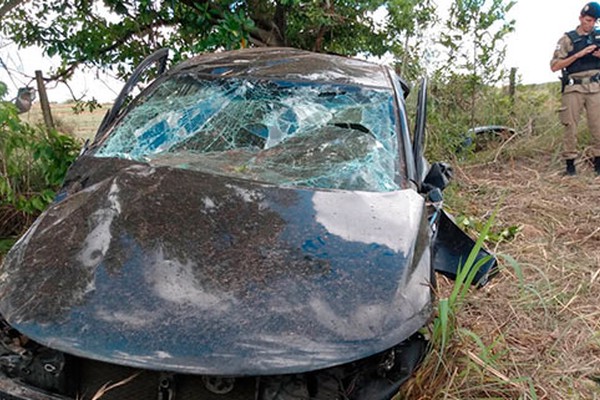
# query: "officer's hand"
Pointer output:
{"type": "Point", "coordinates": [589, 49]}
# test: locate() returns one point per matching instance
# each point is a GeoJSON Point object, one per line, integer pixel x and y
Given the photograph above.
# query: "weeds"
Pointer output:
{"type": "Point", "coordinates": [33, 163]}
{"type": "Point", "coordinates": [444, 325]}
{"type": "Point", "coordinates": [460, 363]}
{"type": "Point", "coordinates": [5, 245]}
{"type": "Point", "coordinates": [495, 234]}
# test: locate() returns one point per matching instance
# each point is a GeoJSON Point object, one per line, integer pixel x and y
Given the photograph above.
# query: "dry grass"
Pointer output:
{"type": "Point", "coordinates": [82, 125]}
{"type": "Point", "coordinates": [539, 339]}
{"type": "Point", "coordinates": [107, 387]}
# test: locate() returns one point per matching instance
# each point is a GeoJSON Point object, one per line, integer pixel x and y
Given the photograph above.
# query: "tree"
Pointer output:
{"type": "Point", "coordinates": [474, 36]}
{"type": "Point", "coordinates": [408, 23]}
{"type": "Point", "coordinates": [115, 35]}
{"type": "Point", "coordinates": [33, 163]}
{"type": "Point", "coordinates": [463, 91]}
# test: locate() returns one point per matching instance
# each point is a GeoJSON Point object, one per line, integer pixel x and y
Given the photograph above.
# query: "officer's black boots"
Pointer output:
{"type": "Point", "coordinates": [570, 167]}
{"type": "Point", "coordinates": [570, 171]}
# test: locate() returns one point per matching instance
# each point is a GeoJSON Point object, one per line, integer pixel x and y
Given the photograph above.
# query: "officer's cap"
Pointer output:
{"type": "Point", "coordinates": [592, 9]}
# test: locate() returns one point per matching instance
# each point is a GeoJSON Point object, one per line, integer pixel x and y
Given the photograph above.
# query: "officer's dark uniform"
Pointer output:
{"type": "Point", "coordinates": [581, 89]}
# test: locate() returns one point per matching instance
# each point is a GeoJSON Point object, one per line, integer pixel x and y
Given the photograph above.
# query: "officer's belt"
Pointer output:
{"type": "Point", "coordinates": [580, 81]}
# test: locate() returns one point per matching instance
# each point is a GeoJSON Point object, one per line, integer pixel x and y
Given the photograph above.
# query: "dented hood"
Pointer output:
{"type": "Point", "coordinates": [180, 270]}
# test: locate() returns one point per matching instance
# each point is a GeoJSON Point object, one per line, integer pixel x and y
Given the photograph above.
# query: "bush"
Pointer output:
{"type": "Point", "coordinates": [454, 109]}
{"type": "Point", "coordinates": [33, 163]}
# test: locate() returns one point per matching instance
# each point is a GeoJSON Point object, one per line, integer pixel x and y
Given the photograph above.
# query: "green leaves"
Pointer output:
{"type": "Point", "coordinates": [6, 244]}
{"type": "Point", "coordinates": [474, 35]}
{"type": "Point", "coordinates": [445, 325]}
{"type": "Point", "coordinates": [494, 234]}
{"type": "Point", "coordinates": [117, 35]}
{"type": "Point", "coordinates": [463, 90]}
{"type": "Point", "coordinates": [33, 163]}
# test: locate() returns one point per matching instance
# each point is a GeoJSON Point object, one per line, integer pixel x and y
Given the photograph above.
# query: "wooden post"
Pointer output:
{"type": "Point", "coordinates": [512, 88]}
{"type": "Point", "coordinates": [44, 100]}
{"type": "Point", "coordinates": [512, 84]}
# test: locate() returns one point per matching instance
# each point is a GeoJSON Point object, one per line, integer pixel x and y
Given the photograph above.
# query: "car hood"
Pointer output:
{"type": "Point", "coordinates": [172, 269]}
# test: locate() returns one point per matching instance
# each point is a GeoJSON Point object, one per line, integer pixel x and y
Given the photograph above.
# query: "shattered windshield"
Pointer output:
{"type": "Point", "coordinates": [285, 133]}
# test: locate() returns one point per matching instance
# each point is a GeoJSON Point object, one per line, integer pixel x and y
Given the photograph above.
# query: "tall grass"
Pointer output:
{"type": "Point", "coordinates": [460, 364]}
{"type": "Point", "coordinates": [444, 325]}
{"type": "Point", "coordinates": [529, 112]}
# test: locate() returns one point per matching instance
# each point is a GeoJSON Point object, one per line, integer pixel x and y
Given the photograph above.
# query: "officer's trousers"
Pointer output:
{"type": "Point", "coordinates": [573, 102]}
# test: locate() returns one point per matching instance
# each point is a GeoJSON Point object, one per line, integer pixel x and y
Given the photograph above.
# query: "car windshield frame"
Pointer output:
{"type": "Point", "coordinates": [287, 132]}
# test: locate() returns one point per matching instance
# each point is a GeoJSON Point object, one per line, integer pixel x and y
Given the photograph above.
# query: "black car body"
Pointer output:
{"type": "Point", "coordinates": [256, 224]}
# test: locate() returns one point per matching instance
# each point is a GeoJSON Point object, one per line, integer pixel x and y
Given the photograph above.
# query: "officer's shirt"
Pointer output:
{"type": "Point", "coordinates": [563, 48]}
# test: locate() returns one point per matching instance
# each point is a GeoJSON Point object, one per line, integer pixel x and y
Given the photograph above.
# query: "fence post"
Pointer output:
{"type": "Point", "coordinates": [44, 100]}
{"type": "Point", "coordinates": [512, 84]}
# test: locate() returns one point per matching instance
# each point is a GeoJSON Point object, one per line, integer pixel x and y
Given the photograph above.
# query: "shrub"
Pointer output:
{"type": "Point", "coordinates": [33, 163]}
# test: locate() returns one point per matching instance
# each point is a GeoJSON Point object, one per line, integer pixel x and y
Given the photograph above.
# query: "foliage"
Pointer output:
{"type": "Point", "coordinates": [444, 324]}
{"type": "Point", "coordinates": [474, 36]}
{"type": "Point", "coordinates": [457, 354]}
{"type": "Point", "coordinates": [445, 327]}
{"type": "Point", "coordinates": [530, 112]}
{"type": "Point", "coordinates": [494, 235]}
{"type": "Point", "coordinates": [5, 245]}
{"type": "Point", "coordinates": [33, 162]}
{"type": "Point", "coordinates": [81, 106]}
{"type": "Point", "coordinates": [116, 35]}
{"type": "Point", "coordinates": [466, 94]}
{"type": "Point", "coordinates": [450, 114]}
{"type": "Point", "coordinates": [407, 23]}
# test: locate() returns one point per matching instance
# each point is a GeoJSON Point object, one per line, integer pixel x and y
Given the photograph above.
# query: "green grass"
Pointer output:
{"type": "Point", "coordinates": [5, 245]}
{"type": "Point", "coordinates": [461, 364]}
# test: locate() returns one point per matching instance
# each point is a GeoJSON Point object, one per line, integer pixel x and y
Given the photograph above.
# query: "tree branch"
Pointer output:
{"type": "Point", "coordinates": [146, 30]}
{"type": "Point", "coordinates": [9, 6]}
{"type": "Point", "coordinates": [267, 32]}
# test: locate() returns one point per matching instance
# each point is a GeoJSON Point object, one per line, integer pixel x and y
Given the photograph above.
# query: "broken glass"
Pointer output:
{"type": "Point", "coordinates": [280, 132]}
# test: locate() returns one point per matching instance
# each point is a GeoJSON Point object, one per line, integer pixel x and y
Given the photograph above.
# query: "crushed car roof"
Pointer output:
{"type": "Point", "coordinates": [290, 64]}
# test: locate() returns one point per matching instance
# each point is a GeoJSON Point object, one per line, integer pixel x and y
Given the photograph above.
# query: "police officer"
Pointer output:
{"type": "Point", "coordinates": [577, 54]}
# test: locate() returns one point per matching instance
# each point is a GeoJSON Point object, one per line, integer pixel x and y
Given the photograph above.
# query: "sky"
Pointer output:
{"type": "Point", "coordinates": [539, 25]}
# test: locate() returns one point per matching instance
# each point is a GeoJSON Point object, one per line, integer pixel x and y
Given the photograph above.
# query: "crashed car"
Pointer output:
{"type": "Point", "coordinates": [255, 224]}
{"type": "Point", "coordinates": [481, 137]}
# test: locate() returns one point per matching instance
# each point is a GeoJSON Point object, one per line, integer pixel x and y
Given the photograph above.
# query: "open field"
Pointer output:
{"type": "Point", "coordinates": [82, 125]}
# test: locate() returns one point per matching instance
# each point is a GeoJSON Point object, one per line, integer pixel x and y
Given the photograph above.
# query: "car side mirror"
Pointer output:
{"type": "Point", "coordinates": [437, 178]}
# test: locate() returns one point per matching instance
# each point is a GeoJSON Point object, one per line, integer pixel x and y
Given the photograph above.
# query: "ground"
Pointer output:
{"type": "Point", "coordinates": [550, 323]}
{"type": "Point", "coordinates": [535, 336]}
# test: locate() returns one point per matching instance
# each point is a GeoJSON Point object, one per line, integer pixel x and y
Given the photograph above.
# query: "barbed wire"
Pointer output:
{"type": "Point", "coordinates": [3, 65]}
{"type": "Point", "coordinates": [11, 76]}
